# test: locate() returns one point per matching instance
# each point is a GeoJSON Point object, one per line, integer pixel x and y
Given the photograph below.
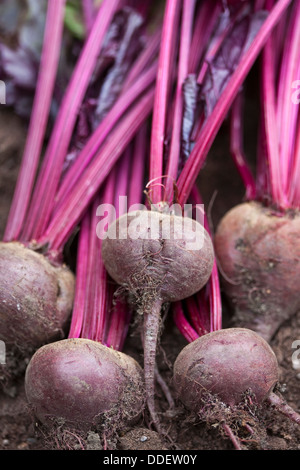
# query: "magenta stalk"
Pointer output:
{"type": "Point", "coordinates": [162, 90]}
{"type": "Point", "coordinates": [38, 121]}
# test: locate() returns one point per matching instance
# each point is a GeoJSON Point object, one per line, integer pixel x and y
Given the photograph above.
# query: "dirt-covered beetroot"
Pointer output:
{"type": "Point", "coordinates": [226, 376]}
{"type": "Point", "coordinates": [227, 364]}
{"type": "Point", "coordinates": [82, 383]}
{"type": "Point", "coordinates": [36, 297]}
{"type": "Point", "coordinates": [258, 254]}
{"type": "Point", "coordinates": [158, 259]}
{"type": "Point", "coordinates": [152, 251]}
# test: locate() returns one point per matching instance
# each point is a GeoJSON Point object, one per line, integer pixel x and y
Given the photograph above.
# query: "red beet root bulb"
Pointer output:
{"type": "Point", "coordinates": [158, 260]}
{"type": "Point", "coordinates": [258, 252]}
{"type": "Point", "coordinates": [147, 249]}
{"type": "Point", "coordinates": [36, 297]}
{"type": "Point", "coordinates": [227, 364]}
{"type": "Point", "coordinates": [81, 382]}
{"type": "Point", "coordinates": [229, 370]}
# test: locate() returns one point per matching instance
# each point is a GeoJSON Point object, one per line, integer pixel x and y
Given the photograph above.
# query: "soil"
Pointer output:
{"type": "Point", "coordinates": [221, 189]}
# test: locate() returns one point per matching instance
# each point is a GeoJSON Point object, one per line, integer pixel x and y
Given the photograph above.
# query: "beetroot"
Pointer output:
{"type": "Point", "coordinates": [156, 269]}
{"type": "Point", "coordinates": [33, 293]}
{"type": "Point", "coordinates": [174, 266]}
{"type": "Point", "coordinates": [216, 363]}
{"type": "Point", "coordinates": [226, 376]}
{"type": "Point", "coordinates": [86, 385]}
{"type": "Point", "coordinates": [36, 297]}
{"type": "Point", "coordinates": [259, 255]}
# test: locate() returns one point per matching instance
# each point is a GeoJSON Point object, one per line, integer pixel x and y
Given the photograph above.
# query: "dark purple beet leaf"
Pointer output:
{"type": "Point", "coordinates": [233, 48]}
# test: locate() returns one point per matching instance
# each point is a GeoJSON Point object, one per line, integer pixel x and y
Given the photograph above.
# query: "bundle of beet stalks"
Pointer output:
{"type": "Point", "coordinates": [116, 176]}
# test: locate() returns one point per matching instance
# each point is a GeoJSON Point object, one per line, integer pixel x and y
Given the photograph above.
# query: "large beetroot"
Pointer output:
{"type": "Point", "coordinates": [226, 377]}
{"type": "Point", "coordinates": [259, 253]}
{"type": "Point", "coordinates": [86, 385]}
{"type": "Point", "coordinates": [227, 364]}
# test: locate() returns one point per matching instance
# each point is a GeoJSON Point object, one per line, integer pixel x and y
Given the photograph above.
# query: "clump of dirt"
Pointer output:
{"type": "Point", "coordinates": [141, 439]}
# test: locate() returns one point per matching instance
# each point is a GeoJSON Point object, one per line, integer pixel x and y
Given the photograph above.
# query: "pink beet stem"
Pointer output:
{"type": "Point", "coordinates": [95, 308]}
{"type": "Point", "coordinates": [81, 278]}
{"type": "Point", "coordinates": [294, 195]}
{"type": "Point", "coordinates": [182, 323]}
{"type": "Point", "coordinates": [215, 301]}
{"type": "Point", "coordinates": [236, 148]}
{"type": "Point", "coordinates": [262, 172]}
{"type": "Point", "coordinates": [162, 90]}
{"type": "Point", "coordinates": [136, 185]}
{"type": "Point", "coordinates": [119, 323]}
{"type": "Point", "coordinates": [185, 42]}
{"type": "Point", "coordinates": [123, 174]}
{"type": "Point", "coordinates": [89, 312]}
{"type": "Point", "coordinates": [270, 124]}
{"type": "Point", "coordinates": [193, 313]}
{"type": "Point", "coordinates": [205, 23]}
{"type": "Point", "coordinates": [39, 118]}
{"type": "Point", "coordinates": [210, 129]}
{"type": "Point", "coordinates": [88, 10]}
{"type": "Point", "coordinates": [97, 296]}
{"type": "Point", "coordinates": [287, 112]}
{"type": "Point", "coordinates": [145, 58]}
{"type": "Point", "coordinates": [102, 298]}
{"type": "Point", "coordinates": [49, 177]}
{"type": "Point", "coordinates": [204, 307]}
